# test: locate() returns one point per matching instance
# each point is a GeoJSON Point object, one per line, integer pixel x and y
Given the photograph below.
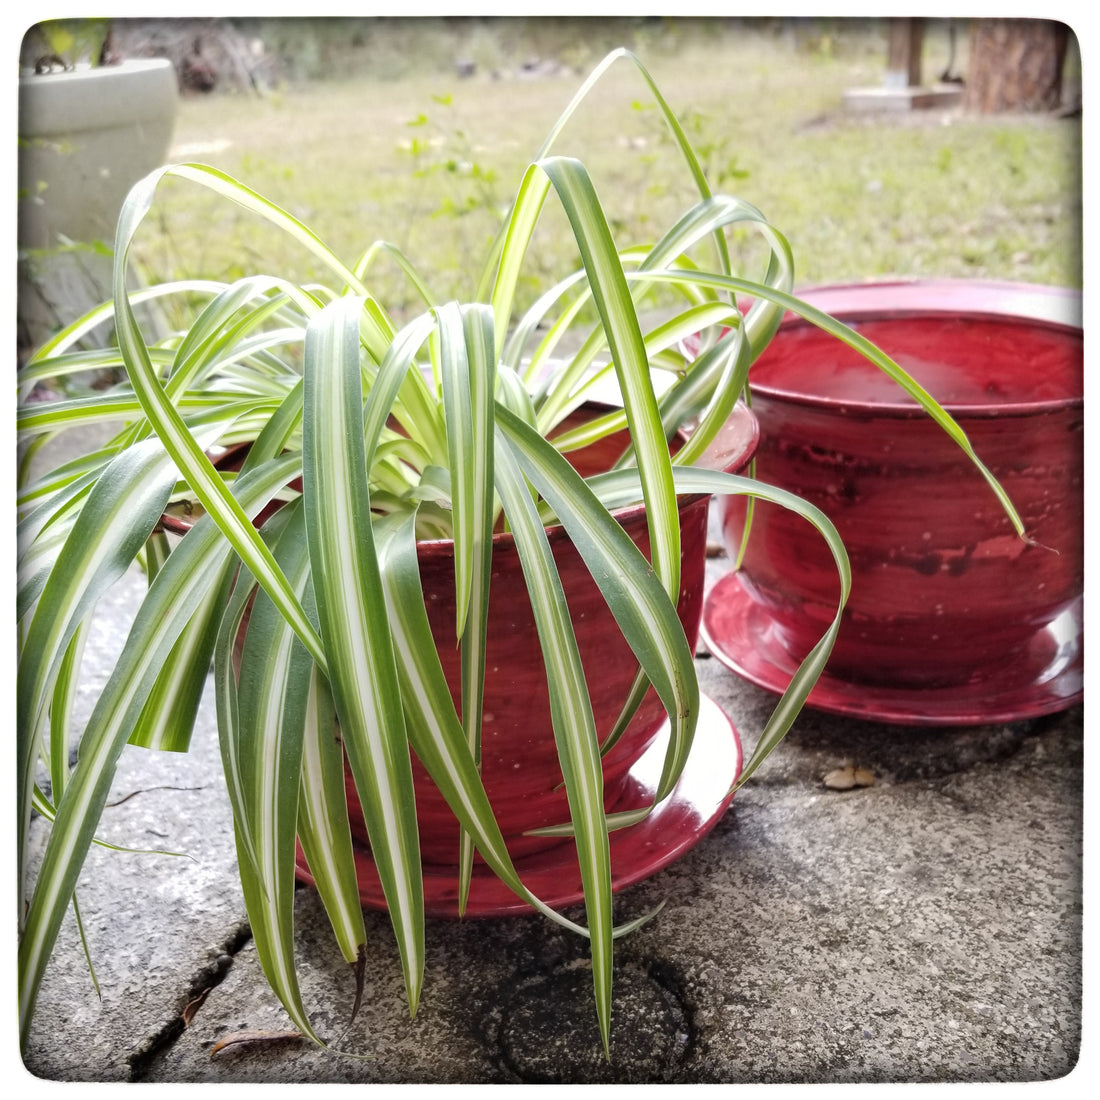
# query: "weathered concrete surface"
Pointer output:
{"type": "Point", "coordinates": [924, 928]}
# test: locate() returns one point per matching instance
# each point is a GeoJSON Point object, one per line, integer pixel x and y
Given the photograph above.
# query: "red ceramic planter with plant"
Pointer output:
{"type": "Point", "coordinates": [520, 768]}
{"type": "Point", "coordinates": [952, 616]}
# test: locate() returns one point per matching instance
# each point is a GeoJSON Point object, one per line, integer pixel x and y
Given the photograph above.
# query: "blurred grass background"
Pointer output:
{"type": "Point", "coordinates": [417, 131]}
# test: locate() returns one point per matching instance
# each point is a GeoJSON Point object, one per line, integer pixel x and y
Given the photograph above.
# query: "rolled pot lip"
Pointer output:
{"type": "Point", "coordinates": [1054, 307]}
{"type": "Point", "coordinates": [741, 420]}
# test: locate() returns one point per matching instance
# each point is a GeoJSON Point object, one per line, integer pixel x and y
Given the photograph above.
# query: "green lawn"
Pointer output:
{"type": "Point", "coordinates": [429, 162]}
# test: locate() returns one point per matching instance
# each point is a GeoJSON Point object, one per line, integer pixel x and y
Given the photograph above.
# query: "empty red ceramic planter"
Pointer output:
{"type": "Point", "coordinates": [952, 617]}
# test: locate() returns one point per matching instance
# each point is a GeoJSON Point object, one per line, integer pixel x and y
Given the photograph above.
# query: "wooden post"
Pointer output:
{"type": "Point", "coordinates": [903, 63]}
{"type": "Point", "coordinates": [902, 88]}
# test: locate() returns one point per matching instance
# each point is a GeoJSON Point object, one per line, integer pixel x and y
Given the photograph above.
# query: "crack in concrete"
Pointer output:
{"type": "Point", "coordinates": [207, 978]}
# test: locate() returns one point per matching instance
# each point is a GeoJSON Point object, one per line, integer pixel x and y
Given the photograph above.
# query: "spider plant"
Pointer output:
{"type": "Point", "coordinates": [369, 434]}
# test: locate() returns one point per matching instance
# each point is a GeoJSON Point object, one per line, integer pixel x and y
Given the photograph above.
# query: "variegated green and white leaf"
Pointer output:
{"type": "Point", "coordinates": [641, 606]}
{"type": "Point", "coordinates": [468, 376]}
{"type": "Point", "coordinates": [435, 733]}
{"type": "Point", "coordinates": [611, 294]}
{"type": "Point", "coordinates": [323, 827]}
{"type": "Point", "coordinates": [111, 529]}
{"type": "Point", "coordinates": [272, 704]}
{"type": "Point", "coordinates": [571, 714]}
{"type": "Point", "coordinates": [352, 614]}
{"type": "Point", "coordinates": [200, 561]}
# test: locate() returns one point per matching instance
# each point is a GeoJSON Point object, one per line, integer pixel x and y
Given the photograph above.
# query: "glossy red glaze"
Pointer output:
{"type": "Point", "coordinates": [681, 820]}
{"type": "Point", "coordinates": [943, 590]}
{"type": "Point", "coordinates": [520, 768]}
{"type": "Point", "coordinates": [1046, 678]}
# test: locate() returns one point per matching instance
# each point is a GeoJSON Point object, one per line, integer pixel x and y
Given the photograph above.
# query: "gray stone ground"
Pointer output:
{"type": "Point", "coordinates": [926, 928]}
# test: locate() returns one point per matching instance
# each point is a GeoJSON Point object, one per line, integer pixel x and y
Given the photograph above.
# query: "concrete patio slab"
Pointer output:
{"type": "Point", "coordinates": [923, 928]}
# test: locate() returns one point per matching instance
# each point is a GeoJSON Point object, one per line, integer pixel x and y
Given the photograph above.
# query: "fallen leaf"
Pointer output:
{"type": "Point", "coordinates": [236, 1038]}
{"type": "Point", "coordinates": [840, 779]}
{"type": "Point", "coordinates": [193, 1006]}
{"type": "Point", "coordinates": [844, 779]}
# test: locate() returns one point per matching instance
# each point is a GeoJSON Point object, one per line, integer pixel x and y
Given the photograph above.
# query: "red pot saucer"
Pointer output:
{"type": "Point", "coordinates": [693, 808]}
{"type": "Point", "coordinates": [1048, 678]}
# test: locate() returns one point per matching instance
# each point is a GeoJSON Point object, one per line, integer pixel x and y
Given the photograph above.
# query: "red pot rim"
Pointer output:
{"type": "Point", "coordinates": [1056, 308]}
{"type": "Point", "coordinates": [731, 449]}
{"type": "Point", "coordinates": [1053, 305]}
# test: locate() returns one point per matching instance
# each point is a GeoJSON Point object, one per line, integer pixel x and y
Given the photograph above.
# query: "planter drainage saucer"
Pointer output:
{"type": "Point", "coordinates": [1046, 678]}
{"type": "Point", "coordinates": [693, 808]}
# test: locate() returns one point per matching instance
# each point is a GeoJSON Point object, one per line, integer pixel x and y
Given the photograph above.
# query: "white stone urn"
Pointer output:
{"type": "Point", "coordinates": [86, 136]}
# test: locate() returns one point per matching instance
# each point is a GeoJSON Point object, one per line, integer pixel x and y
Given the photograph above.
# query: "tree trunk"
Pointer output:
{"type": "Point", "coordinates": [1015, 65]}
